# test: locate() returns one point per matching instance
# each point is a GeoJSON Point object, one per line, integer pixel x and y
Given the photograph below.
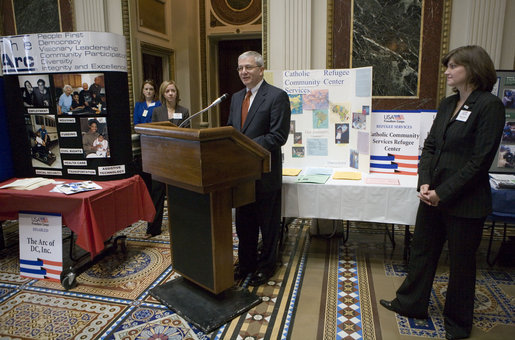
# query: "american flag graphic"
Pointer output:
{"type": "Point", "coordinates": [394, 164]}
{"type": "Point", "coordinates": [41, 269]}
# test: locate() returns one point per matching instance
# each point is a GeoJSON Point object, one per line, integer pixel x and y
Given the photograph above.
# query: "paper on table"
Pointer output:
{"type": "Point", "coordinates": [389, 181]}
{"type": "Point", "coordinates": [318, 179]}
{"type": "Point", "coordinates": [291, 172]}
{"type": "Point", "coordinates": [28, 183]}
{"type": "Point", "coordinates": [503, 181]}
{"type": "Point", "coordinates": [318, 171]}
{"type": "Point", "coordinates": [347, 175]}
{"type": "Point", "coordinates": [76, 187]}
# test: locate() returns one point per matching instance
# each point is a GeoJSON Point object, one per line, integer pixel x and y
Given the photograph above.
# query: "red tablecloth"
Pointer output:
{"type": "Point", "coordinates": [93, 215]}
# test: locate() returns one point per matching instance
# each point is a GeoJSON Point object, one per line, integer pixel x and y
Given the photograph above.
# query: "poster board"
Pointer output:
{"type": "Point", "coordinates": [504, 161]}
{"type": "Point", "coordinates": [67, 104]}
{"type": "Point", "coordinates": [395, 142]}
{"type": "Point", "coordinates": [330, 120]}
{"type": "Point", "coordinates": [6, 163]}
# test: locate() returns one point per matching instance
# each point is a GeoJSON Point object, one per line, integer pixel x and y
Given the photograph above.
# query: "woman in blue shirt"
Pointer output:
{"type": "Point", "coordinates": [148, 101]}
{"type": "Point", "coordinates": [65, 100]}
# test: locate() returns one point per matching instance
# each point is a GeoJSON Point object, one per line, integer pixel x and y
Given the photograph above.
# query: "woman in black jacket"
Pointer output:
{"type": "Point", "coordinates": [454, 191]}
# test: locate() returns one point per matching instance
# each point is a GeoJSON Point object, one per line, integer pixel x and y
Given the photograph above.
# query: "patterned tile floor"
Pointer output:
{"type": "Point", "coordinates": [366, 270]}
{"type": "Point", "coordinates": [112, 299]}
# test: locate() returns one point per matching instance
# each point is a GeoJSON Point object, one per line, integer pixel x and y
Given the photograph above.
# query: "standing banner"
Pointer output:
{"type": "Point", "coordinates": [6, 163]}
{"type": "Point", "coordinates": [395, 142]}
{"type": "Point", "coordinates": [67, 101]}
{"type": "Point", "coordinates": [330, 120]}
{"type": "Point", "coordinates": [41, 246]}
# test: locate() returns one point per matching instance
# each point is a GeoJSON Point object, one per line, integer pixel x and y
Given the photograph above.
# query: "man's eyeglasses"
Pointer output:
{"type": "Point", "coordinates": [246, 67]}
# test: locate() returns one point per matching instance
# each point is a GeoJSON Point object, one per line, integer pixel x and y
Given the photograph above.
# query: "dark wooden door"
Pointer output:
{"type": "Point", "coordinates": [153, 69]}
{"type": "Point", "coordinates": [229, 80]}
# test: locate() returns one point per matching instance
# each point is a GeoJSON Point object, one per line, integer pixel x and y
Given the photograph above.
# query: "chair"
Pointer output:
{"type": "Point", "coordinates": [503, 206]}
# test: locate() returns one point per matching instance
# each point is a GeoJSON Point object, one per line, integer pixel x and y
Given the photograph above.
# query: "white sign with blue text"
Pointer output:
{"type": "Point", "coordinates": [41, 248]}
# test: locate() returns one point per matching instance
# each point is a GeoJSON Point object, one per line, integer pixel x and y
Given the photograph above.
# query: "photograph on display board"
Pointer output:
{"type": "Point", "coordinates": [44, 144]}
{"type": "Point", "coordinates": [354, 159]}
{"type": "Point", "coordinates": [297, 138]}
{"type": "Point", "coordinates": [341, 135]}
{"type": "Point", "coordinates": [298, 152]}
{"type": "Point", "coordinates": [316, 100]}
{"type": "Point", "coordinates": [359, 120]}
{"type": "Point", "coordinates": [292, 126]}
{"type": "Point", "coordinates": [320, 119]}
{"type": "Point", "coordinates": [508, 98]}
{"type": "Point", "coordinates": [505, 156]}
{"type": "Point", "coordinates": [504, 161]}
{"type": "Point", "coordinates": [95, 138]}
{"type": "Point", "coordinates": [80, 93]}
{"type": "Point", "coordinates": [339, 113]}
{"type": "Point", "coordinates": [35, 93]}
{"type": "Point", "coordinates": [295, 103]}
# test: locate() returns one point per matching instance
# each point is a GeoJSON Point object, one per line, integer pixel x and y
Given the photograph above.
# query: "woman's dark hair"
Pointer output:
{"type": "Point", "coordinates": [91, 121]}
{"type": "Point", "coordinates": [151, 83]}
{"type": "Point", "coordinates": [478, 64]}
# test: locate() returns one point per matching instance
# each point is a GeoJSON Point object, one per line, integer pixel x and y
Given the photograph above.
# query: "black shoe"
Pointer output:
{"type": "Point", "coordinates": [240, 274]}
{"type": "Point", "coordinates": [449, 336]}
{"type": "Point", "coordinates": [259, 278]}
{"type": "Point", "coordinates": [388, 305]}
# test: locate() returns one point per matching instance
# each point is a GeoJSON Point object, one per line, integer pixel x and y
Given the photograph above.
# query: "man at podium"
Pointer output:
{"type": "Point", "coordinates": [261, 112]}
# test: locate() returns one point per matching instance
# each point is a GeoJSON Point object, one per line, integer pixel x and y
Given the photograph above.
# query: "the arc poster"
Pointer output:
{"type": "Point", "coordinates": [68, 106]}
{"type": "Point", "coordinates": [330, 121]}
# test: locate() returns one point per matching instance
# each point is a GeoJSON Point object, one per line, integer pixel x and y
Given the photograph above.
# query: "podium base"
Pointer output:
{"type": "Point", "coordinates": [202, 308]}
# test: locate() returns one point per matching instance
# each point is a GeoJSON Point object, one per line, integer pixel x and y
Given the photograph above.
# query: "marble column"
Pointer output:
{"type": "Point", "coordinates": [90, 15]}
{"type": "Point", "coordinates": [290, 34]}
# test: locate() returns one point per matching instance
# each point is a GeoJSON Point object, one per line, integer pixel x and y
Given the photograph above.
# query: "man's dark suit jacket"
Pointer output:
{"type": "Point", "coordinates": [457, 154]}
{"type": "Point", "coordinates": [160, 114]}
{"type": "Point", "coordinates": [268, 124]}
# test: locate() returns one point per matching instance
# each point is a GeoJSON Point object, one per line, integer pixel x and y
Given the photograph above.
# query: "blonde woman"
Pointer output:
{"type": "Point", "coordinates": [170, 109]}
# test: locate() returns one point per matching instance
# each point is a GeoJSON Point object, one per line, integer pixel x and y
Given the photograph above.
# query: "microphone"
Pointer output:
{"type": "Point", "coordinates": [216, 102]}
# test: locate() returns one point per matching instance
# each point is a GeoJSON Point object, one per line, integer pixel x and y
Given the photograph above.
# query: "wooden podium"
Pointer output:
{"type": "Point", "coordinates": [208, 172]}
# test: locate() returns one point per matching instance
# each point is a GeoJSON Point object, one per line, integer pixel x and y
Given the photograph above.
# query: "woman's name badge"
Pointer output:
{"type": "Point", "coordinates": [463, 115]}
{"type": "Point", "coordinates": [177, 116]}
{"type": "Point", "coordinates": [145, 113]}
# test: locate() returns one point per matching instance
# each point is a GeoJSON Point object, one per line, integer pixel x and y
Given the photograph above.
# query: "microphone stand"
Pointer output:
{"type": "Point", "coordinates": [216, 102]}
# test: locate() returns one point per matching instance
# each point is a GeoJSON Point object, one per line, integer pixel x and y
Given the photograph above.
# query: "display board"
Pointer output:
{"type": "Point", "coordinates": [67, 104]}
{"type": "Point", "coordinates": [397, 140]}
{"type": "Point", "coordinates": [6, 163]}
{"type": "Point", "coordinates": [330, 120]}
{"type": "Point", "coordinates": [505, 89]}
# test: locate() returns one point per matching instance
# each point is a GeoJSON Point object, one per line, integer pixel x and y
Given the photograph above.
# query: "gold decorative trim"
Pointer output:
{"type": "Point", "coordinates": [203, 51]}
{"type": "Point", "coordinates": [329, 36]}
{"type": "Point", "coordinates": [127, 34]}
{"type": "Point", "coordinates": [444, 46]}
{"type": "Point", "coordinates": [264, 34]}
